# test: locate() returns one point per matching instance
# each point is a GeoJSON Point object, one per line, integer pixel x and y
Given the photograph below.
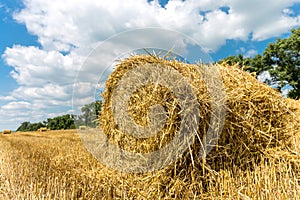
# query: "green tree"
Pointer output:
{"type": "Point", "coordinates": [239, 59]}
{"type": "Point", "coordinates": [255, 64]}
{"type": "Point", "coordinates": [89, 118]}
{"type": "Point", "coordinates": [24, 126]}
{"type": "Point", "coordinates": [27, 126]}
{"type": "Point", "coordinates": [61, 122]}
{"type": "Point", "coordinates": [282, 59]}
{"type": "Point", "coordinates": [90, 113]}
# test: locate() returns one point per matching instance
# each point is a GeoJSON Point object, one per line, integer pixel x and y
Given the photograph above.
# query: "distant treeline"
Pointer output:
{"type": "Point", "coordinates": [89, 116]}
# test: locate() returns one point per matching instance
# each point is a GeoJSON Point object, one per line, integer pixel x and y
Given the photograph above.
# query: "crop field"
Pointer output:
{"type": "Point", "coordinates": [52, 165]}
{"type": "Point", "coordinates": [55, 165]}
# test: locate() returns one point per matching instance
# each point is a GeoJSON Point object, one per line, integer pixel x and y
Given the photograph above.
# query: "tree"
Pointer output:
{"type": "Point", "coordinates": [90, 113]}
{"type": "Point", "coordinates": [61, 122]}
{"type": "Point", "coordinates": [255, 64]}
{"type": "Point", "coordinates": [24, 126]}
{"type": "Point", "coordinates": [239, 59]}
{"type": "Point", "coordinates": [89, 118]}
{"type": "Point", "coordinates": [282, 58]}
{"type": "Point", "coordinates": [27, 126]}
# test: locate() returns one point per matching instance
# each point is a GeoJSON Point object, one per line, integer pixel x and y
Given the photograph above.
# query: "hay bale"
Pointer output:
{"type": "Point", "coordinates": [6, 132]}
{"type": "Point", "coordinates": [294, 123]}
{"type": "Point", "coordinates": [82, 127]}
{"type": "Point", "coordinates": [294, 105]}
{"type": "Point", "coordinates": [257, 119]}
{"type": "Point", "coordinates": [43, 129]}
{"type": "Point", "coordinates": [256, 114]}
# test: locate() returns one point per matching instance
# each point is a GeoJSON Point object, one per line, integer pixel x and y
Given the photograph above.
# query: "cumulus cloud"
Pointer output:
{"type": "Point", "coordinates": [14, 113]}
{"type": "Point", "coordinates": [264, 76]}
{"type": "Point", "coordinates": [288, 11]}
{"type": "Point", "coordinates": [68, 30]}
{"type": "Point", "coordinates": [16, 105]}
{"type": "Point", "coordinates": [7, 98]}
{"type": "Point", "coordinates": [250, 53]}
{"type": "Point", "coordinates": [276, 28]}
{"type": "Point", "coordinates": [33, 66]}
{"type": "Point", "coordinates": [68, 24]}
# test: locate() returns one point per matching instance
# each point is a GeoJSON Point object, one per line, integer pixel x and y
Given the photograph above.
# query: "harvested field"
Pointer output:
{"type": "Point", "coordinates": [55, 165]}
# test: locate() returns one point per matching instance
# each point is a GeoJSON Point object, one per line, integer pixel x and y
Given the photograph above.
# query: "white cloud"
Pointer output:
{"type": "Point", "coordinates": [63, 25]}
{"type": "Point", "coordinates": [288, 11]}
{"type": "Point", "coordinates": [67, 31]}
{"type": "Point", "coordinates": [276, 28]}
{"type": "Point", "coordinates": [14, 113]}
{"type": "Point", "coordinates": [250, 53]}
{"type": "Point", "coordinates": [33, 66]}
{"type": "Point", "coordinates": [46, 92]}
{"type": "Point", "coordinates": [7, 98]}
{"type": "Point", "coordinates": [16, 105]}
{"type": "Point", "coordinates": [286, 89]}
{"type": "Point", "coordinates": [265, 75]}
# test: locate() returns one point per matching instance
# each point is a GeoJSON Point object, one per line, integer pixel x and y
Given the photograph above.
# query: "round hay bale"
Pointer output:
{"type": "Point", "coordinates": [256, 114]}
{"type": "Point", "coordinates": [257, 119]}
{"type": "Point", "coordinates": [43, 129]}
{"type": "Point", "coordinates": [82, 127]}
{"type": "Point", "coordinates": [6, 131]}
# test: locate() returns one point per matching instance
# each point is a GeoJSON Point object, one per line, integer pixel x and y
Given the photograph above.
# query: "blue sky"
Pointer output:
{"type": "Point", "coordinates": [44, 43]}
{"type": "Point", "coordinates": [11, 33]}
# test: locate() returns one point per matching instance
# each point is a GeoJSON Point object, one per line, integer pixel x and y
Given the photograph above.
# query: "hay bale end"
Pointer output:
{"type": "Point", "coordinates": [6, 131]}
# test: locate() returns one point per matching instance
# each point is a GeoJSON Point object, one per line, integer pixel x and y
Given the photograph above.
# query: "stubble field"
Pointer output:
{"type": "Point", "coordinates": [55, 165]}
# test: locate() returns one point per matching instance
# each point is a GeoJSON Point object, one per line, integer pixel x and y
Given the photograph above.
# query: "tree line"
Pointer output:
{"type": "Point", "coordinates": [89, 117]}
